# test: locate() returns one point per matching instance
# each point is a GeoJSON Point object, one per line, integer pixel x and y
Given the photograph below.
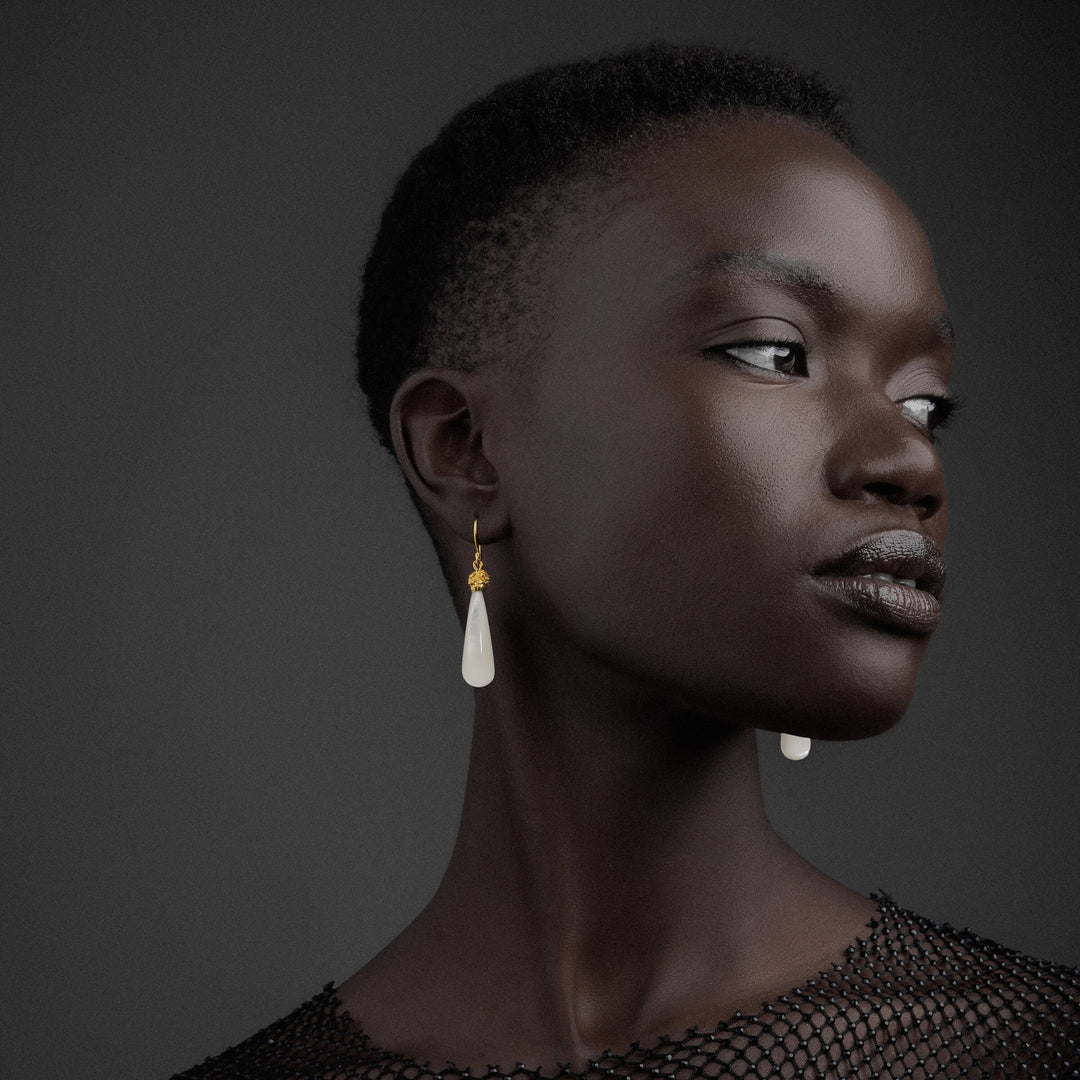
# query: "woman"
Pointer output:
{"type": "Point", "coordinates": [663, 364]}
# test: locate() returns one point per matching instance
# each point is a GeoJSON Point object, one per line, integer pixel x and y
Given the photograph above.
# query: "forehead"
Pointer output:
{"type": "Point", "coordinates": [741, 199]}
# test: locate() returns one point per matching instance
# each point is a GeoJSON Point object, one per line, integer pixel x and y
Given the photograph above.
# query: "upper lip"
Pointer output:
{"type": "Point", "coordinates": [899, 552]}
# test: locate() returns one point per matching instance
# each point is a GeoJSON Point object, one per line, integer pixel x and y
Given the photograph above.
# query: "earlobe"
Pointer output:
{"type": "Point", "coordinates": [436, 419]}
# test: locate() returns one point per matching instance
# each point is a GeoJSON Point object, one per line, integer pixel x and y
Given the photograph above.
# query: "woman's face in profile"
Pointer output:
{"type": "Point", "coordinates": [729, 425]}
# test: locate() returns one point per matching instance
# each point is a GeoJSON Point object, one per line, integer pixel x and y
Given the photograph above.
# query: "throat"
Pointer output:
{"type": "Point", "coordinates": [430, 1000]}
{"type": "Point", "coordinates": [601, 892]}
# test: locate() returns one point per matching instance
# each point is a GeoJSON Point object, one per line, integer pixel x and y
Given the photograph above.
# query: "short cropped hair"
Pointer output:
{"type": "Point", "coordinates": [443, 282]}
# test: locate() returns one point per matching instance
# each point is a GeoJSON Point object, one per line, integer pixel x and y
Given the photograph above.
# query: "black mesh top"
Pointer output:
{"type": "Point", "coordinates": [913, 999]}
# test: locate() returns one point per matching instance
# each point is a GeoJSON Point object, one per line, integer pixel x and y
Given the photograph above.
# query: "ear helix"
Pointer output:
{"type": "Point", "coordinates": [794, 747]}
{"type": "Point", "coordinates": [477, 661]}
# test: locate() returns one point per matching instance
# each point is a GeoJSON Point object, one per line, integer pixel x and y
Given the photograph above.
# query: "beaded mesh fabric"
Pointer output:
{"type": "Point", "coordinates": [912, 999]}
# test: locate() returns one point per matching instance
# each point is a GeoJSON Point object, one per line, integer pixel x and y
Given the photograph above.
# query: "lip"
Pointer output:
{"type": "Point", "coordinates": [902, 554]}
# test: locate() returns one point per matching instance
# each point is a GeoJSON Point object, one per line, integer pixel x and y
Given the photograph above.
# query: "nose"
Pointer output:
{"type": "Point", "coordinates": [881, 456]}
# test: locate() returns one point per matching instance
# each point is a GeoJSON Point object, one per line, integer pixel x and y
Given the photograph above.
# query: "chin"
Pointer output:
{"type": "Point", "coordinates": [864, 688]}
{"type": "Point", "coordinates": [861, 722]}
{"type": "Point", "coordinates": [851, 694]}
{"type": "Point", "coordinates": [851, 708]}
{"type": "Point", "coordinates": [835, 687]}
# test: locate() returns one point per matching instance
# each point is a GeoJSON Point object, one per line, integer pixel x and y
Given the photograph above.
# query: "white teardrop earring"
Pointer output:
{"type": "Point", "coordinates": [794, 747]}
{"type": "Point", "coordinates": [477, 661]}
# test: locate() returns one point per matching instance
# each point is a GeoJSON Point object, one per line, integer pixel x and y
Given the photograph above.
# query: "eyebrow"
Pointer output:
{"type": "Point", "coordinates": [789, 274]}
{"type": "Point", "coordinates": [766, 265]}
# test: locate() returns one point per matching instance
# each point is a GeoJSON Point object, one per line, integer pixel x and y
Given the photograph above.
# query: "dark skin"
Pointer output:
{"type": "Point", "coordinates": [733, 389]}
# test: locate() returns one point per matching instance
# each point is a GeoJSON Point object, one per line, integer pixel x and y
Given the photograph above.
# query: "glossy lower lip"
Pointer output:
{"type": "Point", "coordinates": [901, 607]}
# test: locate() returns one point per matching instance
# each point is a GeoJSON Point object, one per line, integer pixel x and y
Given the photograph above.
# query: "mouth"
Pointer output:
{"type": "Point", "coordinates": [894, 578]}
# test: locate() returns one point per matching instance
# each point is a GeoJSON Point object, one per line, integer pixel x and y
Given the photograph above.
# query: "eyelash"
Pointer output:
{"type": "Point", "coordinates": [945, 407]}
{"type": "Point", "coordinates": [798, 350]}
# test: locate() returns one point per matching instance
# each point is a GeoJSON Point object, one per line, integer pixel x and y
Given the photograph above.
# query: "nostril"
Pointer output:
{"type": "Point", "coordinates": [891, 464]}
{"type": "Point", "coordinates": [928, 505]}
{"type": "Point", "coordinates": [899, 495]}
{"type": "Point", "coordinates": [893, 492]}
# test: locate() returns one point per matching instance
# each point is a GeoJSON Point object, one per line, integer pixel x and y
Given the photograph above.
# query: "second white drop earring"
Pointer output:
{"type": "Point", "coordinates": [477, 661]}
{"type": "Point", "coordinates": [794, 747]}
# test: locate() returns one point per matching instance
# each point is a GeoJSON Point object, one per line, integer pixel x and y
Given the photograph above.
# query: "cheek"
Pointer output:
{"type": "Point", "coordinates": [669, 533]}
{"type": "Point", "coordinates": [652, 512]}
{"type": "Point", "coordinates": [760, 468]}
{"type": "Point", "coordinates": [593, 491]}
{"type": "Point", "coordinates": [749, 475]}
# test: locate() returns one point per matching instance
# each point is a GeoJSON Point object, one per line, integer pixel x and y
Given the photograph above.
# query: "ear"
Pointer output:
{"type": "Point", "coordinates": [437, 422]}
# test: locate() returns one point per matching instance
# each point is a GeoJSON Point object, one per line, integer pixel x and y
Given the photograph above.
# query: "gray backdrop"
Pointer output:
{"type": "Point", "coordinates": [236, 732]}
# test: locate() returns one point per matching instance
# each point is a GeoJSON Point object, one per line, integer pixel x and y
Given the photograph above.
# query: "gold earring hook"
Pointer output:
{"type": "Point", "coordinates": [479, 577]}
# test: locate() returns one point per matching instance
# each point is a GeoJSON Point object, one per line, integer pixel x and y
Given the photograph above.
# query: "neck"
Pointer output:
{"type": "Point", "coordinates": [615, 878]}
{"type": "Point", "coordinates": [619, 857]}
{"type": "Point", "coordinates": [613, 830]}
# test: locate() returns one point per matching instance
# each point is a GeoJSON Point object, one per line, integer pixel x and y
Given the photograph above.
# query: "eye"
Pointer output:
{"type": "Point", "coordinates": [782, 357]}
{"type": "Point", "coordinates": [930, 412]}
